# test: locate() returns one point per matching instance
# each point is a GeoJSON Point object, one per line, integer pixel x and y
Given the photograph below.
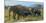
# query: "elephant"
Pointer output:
{"type": "Point", "coordinates": [22, 10]}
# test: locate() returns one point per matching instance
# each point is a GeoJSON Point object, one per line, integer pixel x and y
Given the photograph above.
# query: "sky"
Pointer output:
{"type": "Point", "coordinates": [20, 2]}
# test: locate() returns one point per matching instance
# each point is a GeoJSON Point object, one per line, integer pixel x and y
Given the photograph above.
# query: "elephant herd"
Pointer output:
{"type": "Point", "coordinates": [24, 11]}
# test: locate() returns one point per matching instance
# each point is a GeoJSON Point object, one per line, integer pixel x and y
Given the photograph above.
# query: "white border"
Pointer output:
{"type": "Point", "coordinates": [2, 14]}
{"type": "Point", "coordinates": [1, 11]}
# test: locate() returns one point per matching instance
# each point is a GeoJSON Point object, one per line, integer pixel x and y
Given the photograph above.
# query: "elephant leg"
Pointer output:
{"type": "Point", "coordinates": [39, 14]}
{"type": "Point", "coordinates": [9, 15]}
{"type": "Point", "coordinates": [23, 17]}
{"type": "Point", "coordinates": [17, 16]}
{"type": "Point", "coordinates": [14, 15]}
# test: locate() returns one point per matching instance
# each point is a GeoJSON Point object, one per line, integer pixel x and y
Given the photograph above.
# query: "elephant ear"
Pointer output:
{"type": "Point", "coordinates": [18, 11]}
